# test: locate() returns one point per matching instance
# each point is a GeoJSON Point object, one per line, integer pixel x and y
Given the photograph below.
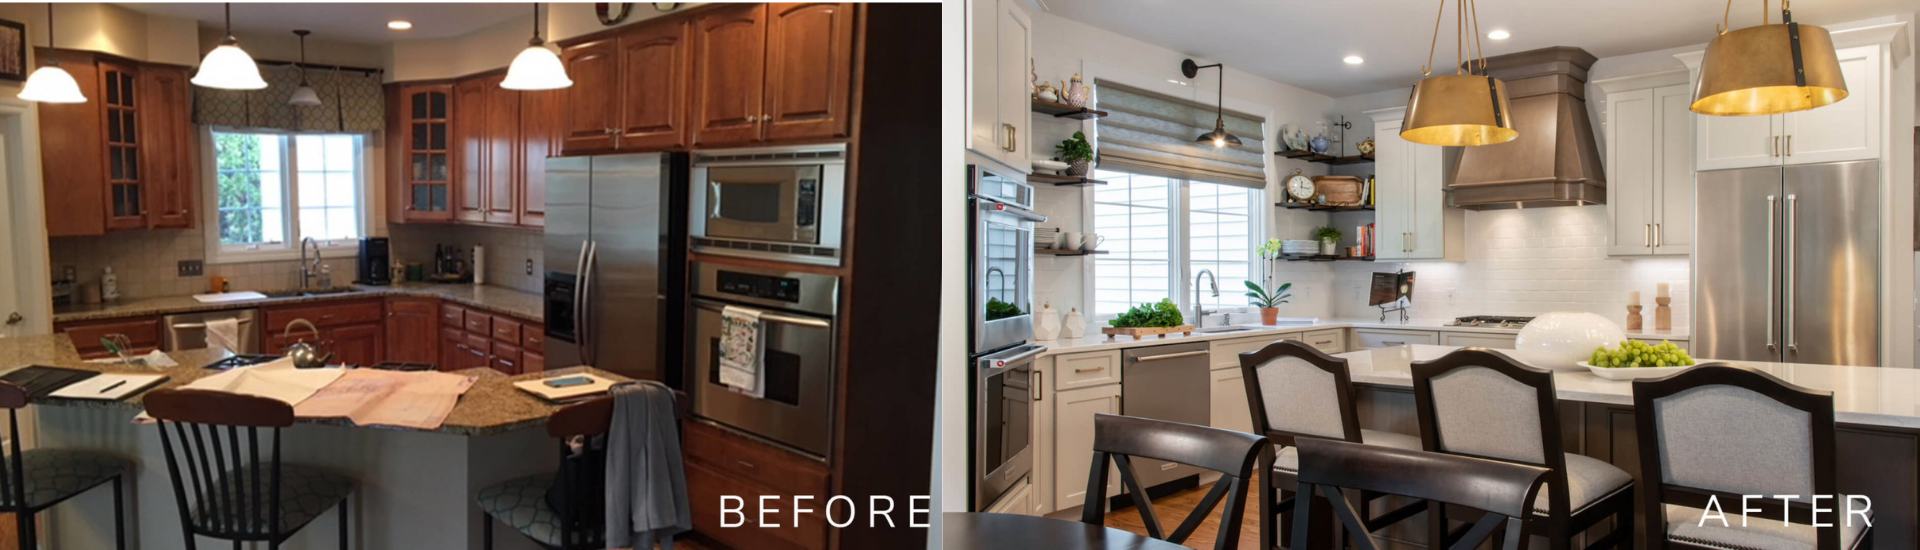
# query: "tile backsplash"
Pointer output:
{"type": "Point", "coordinates": [508, 250]}
{"type": "Point", "coordinates": [146, 263]}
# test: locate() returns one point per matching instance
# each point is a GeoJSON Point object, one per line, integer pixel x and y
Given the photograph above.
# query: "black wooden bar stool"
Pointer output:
{"type": "Point", "coordinates": [31, 481]}
{"type": "Point", "coordinates": [1504, 490]}
{"type": "Point", "coordinates": [1117, 439]}
{"type": "Point", "coordinates": [222, 486]}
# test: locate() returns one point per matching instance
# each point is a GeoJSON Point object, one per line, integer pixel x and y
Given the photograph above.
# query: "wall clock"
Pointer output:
{"type": "Point", "coordinates": [1299, 186]}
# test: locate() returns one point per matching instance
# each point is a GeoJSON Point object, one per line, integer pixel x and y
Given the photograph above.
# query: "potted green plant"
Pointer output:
{"type": "Point", "coordinates": [1329, 240]}
{"type": "Point", "coordinates": [1268, 302]}
{"type": "Point", "coordinates": [1077, 153]}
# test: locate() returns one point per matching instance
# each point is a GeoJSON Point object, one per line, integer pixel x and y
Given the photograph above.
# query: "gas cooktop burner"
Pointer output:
{"type": "Point", "coordinates": [1502, 321]}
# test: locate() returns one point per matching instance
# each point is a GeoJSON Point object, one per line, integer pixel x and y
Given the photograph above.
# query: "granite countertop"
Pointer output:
{"type": "Point", "coordinates": [491, 406]}
{"type": "Point", "coordinates": [1869, 396]}
{"type": "Point", "coordinates": [1095, 341]}
{"type": "Point", "coordinates": [518, 303]}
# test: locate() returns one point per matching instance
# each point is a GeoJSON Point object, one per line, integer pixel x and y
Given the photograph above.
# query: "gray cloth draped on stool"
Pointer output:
{"type": "Point", "coordinates": [646, 481]}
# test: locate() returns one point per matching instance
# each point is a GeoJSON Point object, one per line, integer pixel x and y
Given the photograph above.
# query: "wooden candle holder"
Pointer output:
{"type": "Point", "coordinates": [1662, 315]}
{"type": "Point", "coordinates": [1633, 317]}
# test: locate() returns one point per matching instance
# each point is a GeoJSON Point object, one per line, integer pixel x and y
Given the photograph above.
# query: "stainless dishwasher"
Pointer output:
{"type": "Point", "coordinates": [189, 330]}
{"type": "Point", "coordinates": [1165, 383]}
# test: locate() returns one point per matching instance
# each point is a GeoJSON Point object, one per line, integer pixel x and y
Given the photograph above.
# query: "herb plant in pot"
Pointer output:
{"type": "Point", "coordinates": [1268, 302]}
{"type": "Point", "coordinates": [1329, 240]}
{"type": "Point", "coordinates": [1077, 153]}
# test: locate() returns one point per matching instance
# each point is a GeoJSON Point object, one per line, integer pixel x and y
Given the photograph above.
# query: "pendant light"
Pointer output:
{"type": "Point", "coordinates": [1463, 108]}
{"type": "Point", "coordinates": [537, 67]}
{"type": "Point", "coordinates": [52, 84]}
{"type": "Point", "coordinates": [228, 67]}
{"type": "Point", "coordinates": [1219, 136]}
{"type": "Point", "coordinates": [305, 94]}
{"type": "Point", "coordinates": [1768, 69]}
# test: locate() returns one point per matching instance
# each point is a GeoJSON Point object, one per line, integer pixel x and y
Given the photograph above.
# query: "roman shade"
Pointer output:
{"type": "Point", "coordinates": [350, 101]}
{"type": "Point", "coordinates": [1153, 134]}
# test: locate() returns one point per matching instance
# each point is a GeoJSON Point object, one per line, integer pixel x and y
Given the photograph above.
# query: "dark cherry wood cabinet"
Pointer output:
{"type": "Point", "coordinates": [421, 136]}
{"type": "Point", "coordinates": [720, 462]}
{"type": "Point", "coordinates": [354, 331]}
{"type": "Point", "coordinates": [470, 142]}
{"type": "Point", "coordinates": [73, 151]}
{"type": "Point", "coordinates": [502, 176]}
{"type": "Point", "coordinates": [413, 326]}
{"type": "Point", "coordinates": [592, 105]}
{"type": "Point", "coordinates": [143, 334]}
{"type": "Point", "coordinates": [653, 65]}
{"type": "Point", "coordinates": [357, 344]}
{"type": "Point", "coordinates": [539, 139]}
{"type": "Point", "coordinates": [168, 149]}
{"type": "Point", "coordinates": [809, 71]}
{"type": "Point", "coordinates": [729, 75]}
{"type": "Point", "coordinates": [126, 193]}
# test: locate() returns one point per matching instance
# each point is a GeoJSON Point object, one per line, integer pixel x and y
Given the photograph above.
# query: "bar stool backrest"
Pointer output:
{"type": "Point", "coordinates": [1504, 489]}
{"type": "Point", "coordinates": [214, 437]}
{"type": "Point", "coordinates": [581, 480]}
{"type": "Point", "coordinates": [1296, 390]}
{"type": "Point", "coordinates": [1481, 403]}
{"type": "Point", "coordinates": [1231, 453]}
{"type": "Point", "coordinates": [13, 470]}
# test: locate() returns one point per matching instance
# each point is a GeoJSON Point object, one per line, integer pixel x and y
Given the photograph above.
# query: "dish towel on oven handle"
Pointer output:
{"type": "Point", "coordinates": [224, 334]}
{"type": "Point", "coordinates": [742, 351]}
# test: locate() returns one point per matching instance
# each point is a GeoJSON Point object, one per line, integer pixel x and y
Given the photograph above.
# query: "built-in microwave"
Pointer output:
{"type": "Point", "coordinates": [776, 203]}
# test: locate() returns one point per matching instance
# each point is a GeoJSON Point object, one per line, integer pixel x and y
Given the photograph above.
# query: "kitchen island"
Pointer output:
{"type": "Point", "coordinates": [415, 487]}
{"type": "Point", "coordinates": [1877, 411]}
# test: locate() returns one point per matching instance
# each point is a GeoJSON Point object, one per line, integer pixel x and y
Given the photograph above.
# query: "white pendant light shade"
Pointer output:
{"type": "Point", "coordinates": [304, 96]}
{"type": "Point", "coordinates": [228, 67]}
{"type": "Point", "coordinates": [536, 68]}
{"type": "Point", "coordinates": [52, 84]}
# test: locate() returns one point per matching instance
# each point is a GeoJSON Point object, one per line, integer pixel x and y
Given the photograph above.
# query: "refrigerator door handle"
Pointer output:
{"type": "Point", "coordinates": [1793, 261]}
{"type": "Point", "coordinates": [585, 322]}
{"type": "Point", "coordinates": [1772, 210]}
{"type": "Point", "coordinates": [579, 301]}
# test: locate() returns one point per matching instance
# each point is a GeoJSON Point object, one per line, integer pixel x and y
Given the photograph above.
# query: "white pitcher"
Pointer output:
{"type": "Point", "coordinates": [1046, 323]}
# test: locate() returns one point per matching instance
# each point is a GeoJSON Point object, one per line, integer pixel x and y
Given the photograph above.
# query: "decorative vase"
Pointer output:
{"type": "Point", "coordinates": [1319, 144]}
{"type": "Point", "coordinates": [1269, 316]}
{"type": "Point", "coordinates": [1329, 248]}
{"type": "Point", "coordinates": [1077, 92]}
{"type": "Point", "coordinates": [1078, 167]}
{"type": "Point", "coordinates": [1560, 340]}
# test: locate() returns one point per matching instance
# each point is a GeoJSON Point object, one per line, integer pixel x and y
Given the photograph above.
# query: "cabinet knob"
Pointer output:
{"type": "Point", "coordinates": [612, 131]}
{"type": "Point", "coordinates": [769, 118]}
{"type": "Point", "coordinates": [753, 119]}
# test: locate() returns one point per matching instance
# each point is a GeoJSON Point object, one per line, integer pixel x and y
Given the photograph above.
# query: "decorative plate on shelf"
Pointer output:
{"type": "Point", "coordinates": [1048, 164]}
{"type": "Point", "coordinates": [1630, 373]}
{"type": "Point", "coordinates": [1293, 137]}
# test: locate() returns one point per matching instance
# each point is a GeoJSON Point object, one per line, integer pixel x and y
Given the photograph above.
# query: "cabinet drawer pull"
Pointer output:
{"type": "Point", "coordinates": [1395, 343]}
{"type": "Point", "coordinates": [747, 465]}
{"type": "Point", "coordinates": [1090, 369]}
{"type": "Point", "coordinates": [476, 353]}
{"type": "Point", "coordinates": [460, 346]}
{"type": "Point", "coordinates": [1323, 342]}
{"type": "Point", "coordinates": [509, 364]}
{"type": "Point", "coordinates": [1039, 379]}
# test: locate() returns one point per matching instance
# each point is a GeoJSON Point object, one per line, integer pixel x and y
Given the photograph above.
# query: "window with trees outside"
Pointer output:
{"type": "Point", "coordinates": [271, 190]}
{"type": "Point", "coordinates": [1161, 232]}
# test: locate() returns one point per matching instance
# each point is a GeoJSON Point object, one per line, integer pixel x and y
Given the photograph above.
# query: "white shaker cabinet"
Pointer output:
{"type": "Point", "coordinates": [1228, 407]}
{"type": "Point", "coordinates": [1410, 210]}
{"type": "Point", "coordinates": [1847, 130]}
{"type": "Point", "coordinates": [999, 48]}
{"type": "Point", "coordinates": [1073, 412]}
{"type": "Point", "coordinates": [1649, 165]}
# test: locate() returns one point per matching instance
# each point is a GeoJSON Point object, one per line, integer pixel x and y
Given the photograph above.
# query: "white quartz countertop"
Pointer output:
{"type": "Point", "coordinates": [1871, 396]}
{"type": "Point", "coordinates": [1095, 341]}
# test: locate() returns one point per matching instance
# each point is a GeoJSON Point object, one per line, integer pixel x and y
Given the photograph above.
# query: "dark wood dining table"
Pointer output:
{"type": "Point", "coordinates": [981, 531]}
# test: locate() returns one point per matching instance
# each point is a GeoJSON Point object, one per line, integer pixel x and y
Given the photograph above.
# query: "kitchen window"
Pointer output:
{"type": "Point", "coordinates": [1160, 232]}
{"type": "Point", "coordinates": [270, 190]}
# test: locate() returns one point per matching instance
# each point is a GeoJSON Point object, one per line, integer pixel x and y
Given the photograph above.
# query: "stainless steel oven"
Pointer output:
{"type": "Point", "coordinates": [798, 316]}
{"type": "Point", "coordinates": [777, 203]}
{"type": "Point", "coordinates": [1002, 421]}
{"type": "Point", "coordinates": [1001, 274]}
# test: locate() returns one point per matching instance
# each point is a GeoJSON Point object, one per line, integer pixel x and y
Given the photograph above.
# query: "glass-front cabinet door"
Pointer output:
{"type": "Point", "coordinates": [126, 204]}
{"type": "Point", "coordinates": [428, 173]}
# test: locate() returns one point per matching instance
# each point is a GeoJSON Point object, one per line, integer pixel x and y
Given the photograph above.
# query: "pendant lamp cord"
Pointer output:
{"type": "Point", "coordinates": [1219, 100]}
{"type": "Point", "coordinates": [50, 25]}
{"type": "Point", "coordinates": [536, 25]}
{"type": "Point", "coordinates": [1466, 21]}
{"type": "Point", "coordinates": [1786, 15]}
{"type": "Point", "coordinates": [1427, 69]}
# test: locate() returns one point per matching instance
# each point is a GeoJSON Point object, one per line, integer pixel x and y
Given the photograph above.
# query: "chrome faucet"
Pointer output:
{"type": "Point", "coordinates": [1200, 313]}
{"type": "Point", "coordinates": [309, 267]}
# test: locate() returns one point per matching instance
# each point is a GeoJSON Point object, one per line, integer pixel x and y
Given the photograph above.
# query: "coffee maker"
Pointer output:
{"type": "Point", "coordinates": [375, 266]}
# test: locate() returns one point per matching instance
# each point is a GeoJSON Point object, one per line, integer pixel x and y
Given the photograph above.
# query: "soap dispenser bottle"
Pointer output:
{"type": "Point", "coordinates": [109, 285]}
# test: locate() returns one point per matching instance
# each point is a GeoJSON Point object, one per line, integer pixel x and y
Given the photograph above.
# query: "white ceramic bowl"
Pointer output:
{"type": "Point", "coordinates": [1044, 164]}
{"type": "Point", "coordinates": [1560, 340]}
{"type": "Point", "coordinates": [1625, 373]}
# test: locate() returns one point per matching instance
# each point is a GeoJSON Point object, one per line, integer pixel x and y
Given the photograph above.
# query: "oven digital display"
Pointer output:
{"type": "Point", "coordinates": [759, 286]}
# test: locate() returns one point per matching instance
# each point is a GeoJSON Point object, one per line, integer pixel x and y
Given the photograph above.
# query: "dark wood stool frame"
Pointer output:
{"type": "Point", "coordinates": [1276, 495]}
{"type": "Point", "coordinates": [13, 480]}
{"type": "Point", "coordinates": [196, 418]}
{"type": "Point", "coordinates": [587, 419]}
{"type": "Point", "coordinates": [1505, 490]}
{"type": "Point", "coordinates": [1560, 524]}
{"type": "Point", "coordinates": [1818, 404]}
{"type": "Point", "coordinates": [1117, 439]}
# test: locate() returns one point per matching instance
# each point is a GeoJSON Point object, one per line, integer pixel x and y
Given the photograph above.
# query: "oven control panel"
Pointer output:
{"type": "Point", "coordinates": [759, 286]}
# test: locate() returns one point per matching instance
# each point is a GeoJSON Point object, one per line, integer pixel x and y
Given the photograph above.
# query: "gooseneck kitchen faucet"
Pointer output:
{"type": "Point", "coordinates": [1199, 312]}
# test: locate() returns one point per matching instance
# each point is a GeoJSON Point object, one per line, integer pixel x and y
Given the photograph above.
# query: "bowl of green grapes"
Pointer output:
{"type": "Point", "coordinates": [1632, 359]}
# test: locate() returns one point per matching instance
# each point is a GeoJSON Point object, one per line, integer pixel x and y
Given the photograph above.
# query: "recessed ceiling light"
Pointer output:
{"type": "Point", "coordinates": [399, 25]}
{"type": "Point", "coordinates": [1354, 60]}
{"type": "Point", "coordinates": [1498, 35]}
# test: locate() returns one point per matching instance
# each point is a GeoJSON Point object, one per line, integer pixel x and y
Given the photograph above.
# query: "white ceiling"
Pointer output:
{"type": "Point", "coordinates": [1302, 43]}
{"type": "Point", "coordinates": [364, 23]}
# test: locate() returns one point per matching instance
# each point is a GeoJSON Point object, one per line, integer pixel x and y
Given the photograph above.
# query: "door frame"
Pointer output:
{"type": "Point", "coordinates": [25, 204]}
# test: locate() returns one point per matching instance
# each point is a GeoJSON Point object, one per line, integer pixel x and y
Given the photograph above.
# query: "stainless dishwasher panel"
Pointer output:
{"type": "Point", "coordinates": [1165, 383]}
{"type": "Point", "coordinates": [189, 330]}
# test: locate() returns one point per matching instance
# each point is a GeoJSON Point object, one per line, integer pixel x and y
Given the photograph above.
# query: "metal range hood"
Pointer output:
{"type": "Point", "coordinates": [1554, 162]}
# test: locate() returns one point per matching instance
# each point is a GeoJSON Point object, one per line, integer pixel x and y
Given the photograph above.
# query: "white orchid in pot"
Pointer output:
{"type": "Point", "coordinates": [1268, 302]}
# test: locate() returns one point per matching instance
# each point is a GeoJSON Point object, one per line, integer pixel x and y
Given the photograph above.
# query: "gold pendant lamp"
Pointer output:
{"type": "Point", "coordinates": [1768, 69]}
{"type": "Point", "coordinates": [1462, 108]}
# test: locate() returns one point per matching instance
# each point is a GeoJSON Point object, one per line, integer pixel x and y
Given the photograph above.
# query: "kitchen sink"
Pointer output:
{"type": "Point", "coordinates": [295, 293]}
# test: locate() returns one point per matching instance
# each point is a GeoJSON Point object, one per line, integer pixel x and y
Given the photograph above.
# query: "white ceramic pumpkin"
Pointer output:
{"type": "Point", "coordinates": [1560, 340]}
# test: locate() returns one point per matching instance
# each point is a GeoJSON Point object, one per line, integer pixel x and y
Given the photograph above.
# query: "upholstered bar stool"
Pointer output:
{"type": "Point", "coordinates": [1295, 392]}
{"type": "Point", "coordinates": [1726, 431]}
{"type": "Point", "coordinates": [1477, 402]}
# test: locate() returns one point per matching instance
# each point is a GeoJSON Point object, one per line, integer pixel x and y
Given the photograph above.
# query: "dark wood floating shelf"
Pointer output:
{"type": "Point", "coordinates": [1062, 110]}
{"type": "Point", "coordinates": [1325, 258]}
{"type": "Point", "coordinates": [1067, 252]}
{"type": "Point", "coordinates": [1323, 208]}
{"type": "Point", "coordinates": [1311, 156]}
{"type": "Point", "coordinates": [1039, 178]}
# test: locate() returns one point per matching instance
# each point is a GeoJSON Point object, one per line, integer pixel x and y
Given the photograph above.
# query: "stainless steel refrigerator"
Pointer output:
{"type": "Point", "coordinates": [607, 237]}
{"type": "Point", "coordinates": [1787, 264]}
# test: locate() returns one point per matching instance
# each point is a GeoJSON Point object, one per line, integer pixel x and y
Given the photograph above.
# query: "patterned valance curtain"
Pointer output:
{"type": "Point", "coordinates": [1152, 133]}
{"type": "Point", "coordinates": [350, 101]}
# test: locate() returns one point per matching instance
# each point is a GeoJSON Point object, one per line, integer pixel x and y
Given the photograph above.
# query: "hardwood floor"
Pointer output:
{"type": "Point", "coordinates": [1173, 509]}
